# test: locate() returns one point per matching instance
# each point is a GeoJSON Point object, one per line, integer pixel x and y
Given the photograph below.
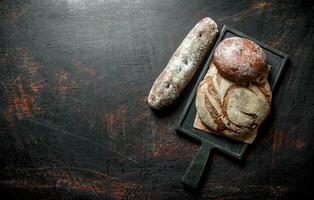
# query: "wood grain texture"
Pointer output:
{"type": "Point", "coordinates": [74, 119]}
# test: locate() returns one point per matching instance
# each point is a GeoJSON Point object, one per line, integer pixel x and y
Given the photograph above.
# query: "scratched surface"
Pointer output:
{"type": "Point", "coordinates": [74, 121]}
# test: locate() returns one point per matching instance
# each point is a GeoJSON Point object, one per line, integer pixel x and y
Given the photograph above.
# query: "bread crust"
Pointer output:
{"type": "Point", "coordinates": [183, 64]}
{"type": "Point", "coordinates": [230, 109]}
{"type": "Point", "coordinates": [239, 59]}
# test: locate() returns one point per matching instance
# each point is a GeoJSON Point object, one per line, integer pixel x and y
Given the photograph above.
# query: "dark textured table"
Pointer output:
{"type": "Point", "coordinates": [74, 120]}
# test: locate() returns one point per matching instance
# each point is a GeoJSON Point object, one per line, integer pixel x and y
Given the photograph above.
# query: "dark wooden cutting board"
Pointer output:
{"type": "Point", "coordinates": [236, 149]}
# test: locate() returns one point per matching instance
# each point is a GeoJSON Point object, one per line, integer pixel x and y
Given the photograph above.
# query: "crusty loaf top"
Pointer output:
{"type": "Point", "coordinates": [231, 109]}
{"type": "Point", "coordinates": [239, 59]}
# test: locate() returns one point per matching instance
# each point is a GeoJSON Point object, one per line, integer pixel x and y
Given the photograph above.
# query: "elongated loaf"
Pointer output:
{"type": "Point", "coordinates": [183, 64]}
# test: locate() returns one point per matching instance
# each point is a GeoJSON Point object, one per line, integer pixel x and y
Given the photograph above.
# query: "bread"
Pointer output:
{"type": "Point", "coordinates": [239, 59]}
{"type": "Point", "coordinates": [183, 64]}
{"type": "Point", "coordinates": [230, 109]}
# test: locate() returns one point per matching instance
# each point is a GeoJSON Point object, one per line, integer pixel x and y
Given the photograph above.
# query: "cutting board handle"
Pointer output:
{"type": "Point", "coordinates": [196, 168]}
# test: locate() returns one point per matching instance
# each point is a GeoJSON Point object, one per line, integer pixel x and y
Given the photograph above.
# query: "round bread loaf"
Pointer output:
{"type": "Point", "coordinates": [231, 109]}
{"type": "Point", "coordinates": [239, 59]}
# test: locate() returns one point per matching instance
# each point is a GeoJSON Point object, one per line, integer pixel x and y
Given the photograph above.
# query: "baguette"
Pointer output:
{"type": "Point", "coordinates": [183, 64]}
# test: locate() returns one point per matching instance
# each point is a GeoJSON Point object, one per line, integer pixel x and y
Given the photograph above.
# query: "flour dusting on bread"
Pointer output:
{"type": "Point", "coordinates": [183, 64]}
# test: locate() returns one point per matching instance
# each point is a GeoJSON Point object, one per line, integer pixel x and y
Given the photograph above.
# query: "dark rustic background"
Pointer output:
{"type": "Point", "coordinates": [74, 120]}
